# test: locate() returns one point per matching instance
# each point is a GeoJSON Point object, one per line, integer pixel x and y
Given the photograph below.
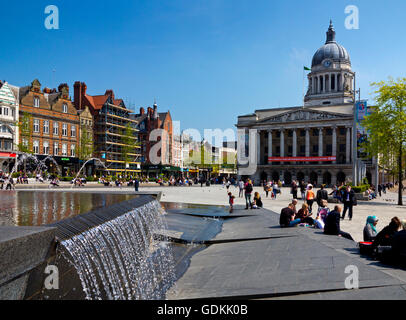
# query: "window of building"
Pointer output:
{"type": "Point", "coordinates": [73, 131]}
{"type": "Point", "coordinates": [36, 102]}
{"type": "Point", "coordinates": [302, 149]}
{"type": "Point", "coordinates": [46, 147]}
{"type": "Point", "coordinates": [5, 111]}
{"type": "Point", "coordinates": [315, 148]}
{"type": "Point", "coordinates": [65, 108]}
{"type": "Point", "coordinates": [46, 127]}
{"type": "Point", "coordinates": [72, 150]}
{"type": "Point", "coordinates": [329, 131]}
{"type": "Point", "coordinates": [64, 149]}
{"type": "Point", "coordinates": [64, 129]}
{"type": "Point", "coordinates": [55, 128]}
{"type": "Point", "coordinates": [25, 142]}
{"type": "Point", "coordinates": [342, 148]}
{"type": "Point", "coordinates": [302, 133]}
{"type": "Point", "coordinates": [36, 125]}
{"type": "Point", "coordinates": [315, 132]}
{"type": "Point", "coordinates": [35, 146]}
{"type": "Point", "coordinates": [56, 148]}
{"type": "Point", "coordinates": [7, 145]}
{"type": "Point", "coordinates": [329, 149]}
{"type": "Point", "coordinates": [343, 131]}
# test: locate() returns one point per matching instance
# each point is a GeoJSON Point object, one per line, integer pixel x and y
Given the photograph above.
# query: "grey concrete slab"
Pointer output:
{"type": "Point", "coordinates": [21, 250]}
{"type": "Point", "coordinates": [305, 261]}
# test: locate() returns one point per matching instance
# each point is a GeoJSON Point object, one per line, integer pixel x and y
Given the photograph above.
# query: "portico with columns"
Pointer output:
{"type": "Point", "coordinates": [312, 142]}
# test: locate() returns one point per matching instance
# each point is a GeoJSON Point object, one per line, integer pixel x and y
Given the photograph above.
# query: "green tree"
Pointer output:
{"type": "Point", "coordinates": [128, 146]}
{"type": "Point", "coordinates": [86, 144]}
{"type": "Point", "coordinates": [25, 128]}
{"type": "Point", "coordinates": [386, 127]}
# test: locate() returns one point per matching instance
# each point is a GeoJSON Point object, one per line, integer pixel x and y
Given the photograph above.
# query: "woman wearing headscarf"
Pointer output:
{"type": "Point", "coordinates": [370, 231]}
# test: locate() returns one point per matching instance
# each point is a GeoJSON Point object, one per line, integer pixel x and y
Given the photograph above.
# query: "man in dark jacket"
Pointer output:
{"type": "Point", "coordinates": [349, 201]}
{"type": "Point", "coordinates": [332, 226]}
{"type": "Point", "coordinates": [384, 237]}
{"type": "Point", "coordinates": [322, 194]}
{"type": "Point", "coordinates": [287, 217]}
{"type": "Point", "coordinates": [136, 184]}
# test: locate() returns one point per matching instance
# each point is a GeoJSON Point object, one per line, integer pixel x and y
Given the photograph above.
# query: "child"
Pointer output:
{"type": "Point", "coordinates": [257, 201]}
{"type": "Point", "coordinates": [231, 201]}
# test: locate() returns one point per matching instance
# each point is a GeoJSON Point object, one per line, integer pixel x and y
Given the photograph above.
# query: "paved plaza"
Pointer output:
{"type": "Point", "coordinates": [247, 255]}
{"type": "Point", "coordinates": [384, 208]}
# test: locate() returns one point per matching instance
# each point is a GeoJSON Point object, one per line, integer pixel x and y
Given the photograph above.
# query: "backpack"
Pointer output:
{"type": "Point", "coordinates": [248, 188]}
{"type": "Point", "coordinates": [323, 214]}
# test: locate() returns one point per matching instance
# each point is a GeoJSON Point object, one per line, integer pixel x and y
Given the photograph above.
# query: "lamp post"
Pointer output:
{"type": "Point", "coordinates": [355, 173]}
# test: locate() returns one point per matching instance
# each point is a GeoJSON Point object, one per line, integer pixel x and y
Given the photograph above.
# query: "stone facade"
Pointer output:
{"type": "Point", "coordinates": [9, 107]}
{"type": "Point", "coordinates": [53, 124]}
{"type": "Point", "coordinates": [311, 142]}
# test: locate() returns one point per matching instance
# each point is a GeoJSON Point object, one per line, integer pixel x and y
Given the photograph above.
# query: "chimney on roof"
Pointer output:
{"type": "Point", "coordinates": [110, 93]}
{"type": "Point", "coordinates": [142, 111]}
{"type": "Point", "coordinates": [79, 94]}
{"type": "Point", "coordinates": [63, 85]}
{"type": "Point", "coordinates": [149, 112]}
{"type": "Point", "coordinates": [155, 111]}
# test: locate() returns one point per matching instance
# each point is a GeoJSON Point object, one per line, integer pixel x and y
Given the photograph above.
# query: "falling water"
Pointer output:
{"type": "Point", "coordinates": [120, 260]}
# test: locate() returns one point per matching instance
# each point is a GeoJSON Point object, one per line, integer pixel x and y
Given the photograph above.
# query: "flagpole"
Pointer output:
{"type": "Point", "coordinates": [303, 86]}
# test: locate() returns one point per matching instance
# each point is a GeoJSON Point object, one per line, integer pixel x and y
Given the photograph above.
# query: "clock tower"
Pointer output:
{"type": "Point", "coordinates": [331, 77]}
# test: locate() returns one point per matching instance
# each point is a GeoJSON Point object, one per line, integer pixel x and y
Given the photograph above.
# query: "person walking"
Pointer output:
{"type": "Point", "coordinates": [380, 190]}
{"type": "Point", "coordinates": [322, 194]}
{"type": "Point", "coordinates": [241, 187]}
{"type": "Point", "coordinates": [136, 184]}
{"type": "Point", "coordinates": [349, 201]}
{"type": "Point", "coordinates": [310, 197]}
{"type": "Point", "coordinates": [294, 190]}
{"type": "Point", "coordinates": [303, 190]}
{"type": "Point", "coordinates": [248, 190]}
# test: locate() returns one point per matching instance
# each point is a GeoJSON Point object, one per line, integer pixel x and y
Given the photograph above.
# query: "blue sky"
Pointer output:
{"type": "Point", "coordinates": [207, 61]}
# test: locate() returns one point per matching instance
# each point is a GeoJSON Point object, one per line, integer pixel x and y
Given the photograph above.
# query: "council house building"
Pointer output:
{"type": "Point", "coordinates": [312, 142]}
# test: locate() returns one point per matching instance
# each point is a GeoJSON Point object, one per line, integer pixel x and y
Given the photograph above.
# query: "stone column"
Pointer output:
{"type": "Point", "coordinates": [320, 142]}
{"type": "Point", "coordinates": [282, 139]}
{"type": "Point", "coordinates": [269, 143]}
{"type": "Point", "coordinates": [259, 147]}
{"type": "Point", "coordinates": [348, 146]}
{"type": "Point", "coordinates": [334, 143]}
{"type": "Point", "coordinates": [307, 143]}
{"type": "Point", "coordinates": [329, 82]}
{"type": "Point", "coordinates": [294, 144]}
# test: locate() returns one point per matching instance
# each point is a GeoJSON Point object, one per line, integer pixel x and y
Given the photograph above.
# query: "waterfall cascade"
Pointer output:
{"type": "Point", "coordinates": [120, 259]}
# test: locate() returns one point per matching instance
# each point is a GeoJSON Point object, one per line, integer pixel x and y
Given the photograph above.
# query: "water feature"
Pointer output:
{"type": "Point", "coordinates": [42, 167]}
{"type": "Point", "coordinates": [21, 157]}
{"type": "Point", "coordinates": [120, 260]}
{"type": "Point", "coordinates": [27, 208]}
{"type": "Point", "coordinates": [84, 165]}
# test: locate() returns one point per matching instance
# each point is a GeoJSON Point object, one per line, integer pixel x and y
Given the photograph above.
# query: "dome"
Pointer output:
{"type": "Point", "coordinates": [331, 50]}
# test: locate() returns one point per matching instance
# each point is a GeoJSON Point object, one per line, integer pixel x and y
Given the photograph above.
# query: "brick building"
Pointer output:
{"type": "Point", "coordinates": [53, 125]}
{"type": "Point", "coordinates": [115, 135]}
{"type": "Point", "coordinates": [148, 121]}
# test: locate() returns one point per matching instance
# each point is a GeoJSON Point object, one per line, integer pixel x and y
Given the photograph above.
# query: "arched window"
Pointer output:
{"type": "Point", "coordinates": [46, 147]}
{"type": "Point", "coordinates": [5, 129]}
{"type": "Point", "coordinates": [36, 102]}
{"type": "Point", "coordinates": [36, 146]}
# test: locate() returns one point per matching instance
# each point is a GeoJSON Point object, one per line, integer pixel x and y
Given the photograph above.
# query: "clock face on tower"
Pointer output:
{"type": "Point", "coordinates": [327, 63]}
